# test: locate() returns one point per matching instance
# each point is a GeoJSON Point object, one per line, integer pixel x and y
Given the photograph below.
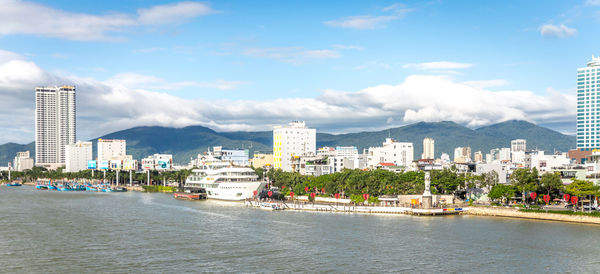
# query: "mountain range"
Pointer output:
{"type": "Point", "coordinates": [185, 143]}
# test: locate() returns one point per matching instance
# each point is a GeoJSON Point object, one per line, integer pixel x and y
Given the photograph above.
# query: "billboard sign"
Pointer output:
{"type": "Point", "coordinates": [103, 165]}
{"type": "Point", "coordinates": [147, 164]}
{"type": "Point", "coordinates": [129, 165]}
{"type": "Point", "coordinates": [115, 164]}
{"type": "Point", "coordinates": [163, 164]}
{"type": "Point", "coordinates": [91, 164]}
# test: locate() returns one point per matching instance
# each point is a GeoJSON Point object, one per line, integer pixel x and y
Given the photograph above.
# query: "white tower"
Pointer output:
{"type": "Point", "coordinates": [54, 124]}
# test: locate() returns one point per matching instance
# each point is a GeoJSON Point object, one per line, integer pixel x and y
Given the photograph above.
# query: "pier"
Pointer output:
{"type": "Point", "coordinates": [345, 208]}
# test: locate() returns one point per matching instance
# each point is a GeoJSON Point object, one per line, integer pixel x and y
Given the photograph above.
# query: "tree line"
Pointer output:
{"type": "Point", "coordinates": [378, 182]}
{"type": "Point", "coordinates": [31, 175]}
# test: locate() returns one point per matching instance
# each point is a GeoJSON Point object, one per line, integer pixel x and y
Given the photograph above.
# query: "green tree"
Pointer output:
{"type": "Point", "coordinates": [550, 182]}
{"type": "Point", "coordinates": [525, 180]}
{"type": "Point", "coordinates": [503, 192]}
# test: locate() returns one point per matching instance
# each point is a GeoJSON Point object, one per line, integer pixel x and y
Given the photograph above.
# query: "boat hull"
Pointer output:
{"type": "Point", "coordinates": [235, 191]}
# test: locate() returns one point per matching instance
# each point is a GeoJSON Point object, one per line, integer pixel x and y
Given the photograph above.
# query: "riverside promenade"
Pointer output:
{"type": "Point", "coordinates": [515, 213]}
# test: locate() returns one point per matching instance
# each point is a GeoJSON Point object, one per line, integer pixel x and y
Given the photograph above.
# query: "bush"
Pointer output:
{"type": "Point", "coordinates": [357, 199]}
{"type": "Point", "coordinates": [564, 212]}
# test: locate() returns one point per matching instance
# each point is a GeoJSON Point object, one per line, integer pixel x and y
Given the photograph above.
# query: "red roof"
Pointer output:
{"type": "Point", "coordinates": [386, 164]}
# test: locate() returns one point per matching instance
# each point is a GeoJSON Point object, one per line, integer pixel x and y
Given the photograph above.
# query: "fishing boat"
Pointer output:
{"type": "Point", "coordinates": [65, 188]}
{"type": "Point", "coordinates": [14, 183]}
{"type": "Point", "coordinates": [91, 188]}
{"type": "Point", "coordinates": [41, 187]}
{"type": "Point", "coordinates": [119, 189]}
{"type": "Point", "coordinates": [78, 188]}
{"type": "Point", "coordinates": [52, 187]}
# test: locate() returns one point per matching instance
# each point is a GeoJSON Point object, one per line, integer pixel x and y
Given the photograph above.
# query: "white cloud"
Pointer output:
{"type": "Point", "coordinates": [353, 47]}
{"type": "Point", "coordinates": [487, 83]}
{"type": "Point", "coordinates": [123, 102]}
{"type": "Point", "coordinates": [441, 65]}
{"type": "Point", "coordinates": [140, 81]}
{"type": "Point", "coordinates": [149, 50]}
{"type": "Point", "coordinates": [22, 17]}
{"type": "Point", "coordinates": [172, 13]}
{"type": "Point", "coordinates": [365, 22]}
{"type": "Point", "coordinates": [560, 31]}
{"type": "Point", "coordinates": [592, 3]}
{"type": "Point", "coordinates": [293, 55]}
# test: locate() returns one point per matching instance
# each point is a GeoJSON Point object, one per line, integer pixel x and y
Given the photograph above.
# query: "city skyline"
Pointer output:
{"type": "Point", "coordinates": [342, 68]}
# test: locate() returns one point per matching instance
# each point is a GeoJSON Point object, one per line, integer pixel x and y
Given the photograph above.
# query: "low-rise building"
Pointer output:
{"type": "Point", "coordinates": [22, 161]}
{"type": "Point", "coordinates": [77, 156]}
{"type": "Point", "coordinates": [545, 163]}
{"type": "Point", "coordinates": [398, 153]}
{"type": "Point", "coordinates": [264, 160]}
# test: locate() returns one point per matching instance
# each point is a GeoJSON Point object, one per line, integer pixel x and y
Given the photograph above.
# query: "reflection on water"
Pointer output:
{"type": "Point", "coordinates": [42, 231]}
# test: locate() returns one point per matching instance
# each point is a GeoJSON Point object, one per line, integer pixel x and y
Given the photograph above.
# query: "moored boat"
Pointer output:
{"type": "Point", "coordinates": [14, 183]}
{"type": "Point", "coordinates": [41, 187]}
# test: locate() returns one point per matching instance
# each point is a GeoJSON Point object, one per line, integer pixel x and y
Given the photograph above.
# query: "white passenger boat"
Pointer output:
{"type": "Point", "coordinates": [223, 181]}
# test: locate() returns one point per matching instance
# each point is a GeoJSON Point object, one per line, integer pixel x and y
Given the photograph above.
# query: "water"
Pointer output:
{"type": "Point", "coordinates": [42, 231]}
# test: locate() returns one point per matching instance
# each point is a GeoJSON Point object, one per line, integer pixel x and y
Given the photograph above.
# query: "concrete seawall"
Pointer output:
{"type": "Point", "coordinates": [515, 213]}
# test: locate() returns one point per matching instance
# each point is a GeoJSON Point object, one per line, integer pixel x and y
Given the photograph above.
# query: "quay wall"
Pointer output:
{"type": "Point", "coordinates": [515, 213]}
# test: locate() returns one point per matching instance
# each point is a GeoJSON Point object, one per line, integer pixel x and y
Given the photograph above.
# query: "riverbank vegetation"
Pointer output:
{"type": "Point", "coordinates": [377, 182]}
{"type": "Point", "coordinates": [155, 176]}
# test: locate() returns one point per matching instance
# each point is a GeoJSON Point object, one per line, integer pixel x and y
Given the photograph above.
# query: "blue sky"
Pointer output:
{"type": "Point", "coordinates": [340, 65]}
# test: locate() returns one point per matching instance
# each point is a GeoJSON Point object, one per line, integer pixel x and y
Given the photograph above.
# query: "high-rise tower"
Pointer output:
{"type": "Point", "coordinates": [54, 124]}
{"type": "Point", "coordinates": [588, 105]}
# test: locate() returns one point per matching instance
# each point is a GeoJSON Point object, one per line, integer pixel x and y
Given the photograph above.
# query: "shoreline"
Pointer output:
{"type": "Point", "coordinates": [541, 216]}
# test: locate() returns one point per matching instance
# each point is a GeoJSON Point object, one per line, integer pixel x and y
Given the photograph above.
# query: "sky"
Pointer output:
{"type": "Point", "coordinates": [342, 66]}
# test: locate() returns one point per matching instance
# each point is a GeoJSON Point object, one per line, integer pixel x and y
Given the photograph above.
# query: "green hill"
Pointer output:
{"type": "Point", "coordinates": [186, 143]}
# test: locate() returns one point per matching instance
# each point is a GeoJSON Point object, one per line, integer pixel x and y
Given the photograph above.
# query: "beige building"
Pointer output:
{"type": "Point", "coordinates": [462, 155]}
{"type": "Point", "coordinates": [478, 157]}
{"type": "Point", "coordinates": [111, 149]}
{"type": "Point", "coordinates": [428, 148]}
{"type": "Point", "coordinates": [262, 160]}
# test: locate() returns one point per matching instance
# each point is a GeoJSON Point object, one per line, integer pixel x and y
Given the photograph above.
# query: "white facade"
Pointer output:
{"type": "Point", "coordinates": [518, 157]}
{"type": "Point", "coordinates": [588, 107]}
{"type": "Point", "coordinates": [501, 169]}
{"type": "Point", "coordinates": [428, 149]}
{"type": "Point", "coordinates": [545, 163]}
{"type": "Point", "coordinates": [518, 145]}
{"type": "Point", "coordinates": [398, 153]}
{"type": "Point", "coordinates": [292, 140]}
{"type": "Point", "coordinates": [54, 124]}
{"type": "Point", "coordinates": [22, 161]}
{"type": "Point", "coordinates": [504, 154]}
{"type": "Point", "coordinates": [445, 158]}
{"type": "Point", "coordinates": [111, 149]}
{"type": "Point", "coordinates": [77, 156]}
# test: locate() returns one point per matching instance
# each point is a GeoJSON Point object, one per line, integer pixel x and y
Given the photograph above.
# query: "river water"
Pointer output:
{"type": "Point", "coordinates": [42, 231]}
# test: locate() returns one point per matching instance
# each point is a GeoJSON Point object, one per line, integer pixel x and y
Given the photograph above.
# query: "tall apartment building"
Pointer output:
{"type": "Point", "coordinates": [77, 156]}
{"type": "Point", "coordinates": [111, 149]}
{"type": "Point", "coordinates": [478, 157]}
{"type": "Point", "coordinates": [295, 139]}
{"type": "Point", "coordinates": [54, 124]}
{"type": "Point", "coordinates": [518, 145]}
{"type": "Point", "coordinates": [588, 105]}
{"type": "Point", "coordinates": [428, 149]}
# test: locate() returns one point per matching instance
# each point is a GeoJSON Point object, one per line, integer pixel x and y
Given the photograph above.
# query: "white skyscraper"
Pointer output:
{"type": "Point", "coordinates": [292, 140]}
{"type": "Point", "coordinates": [588, 105]}
{"type": "Point", "coordinates": [54, 124]}
{"type": "Point", "coordinates": [77, 156]}
{"type": "Point", "coordinates": [428, 148]}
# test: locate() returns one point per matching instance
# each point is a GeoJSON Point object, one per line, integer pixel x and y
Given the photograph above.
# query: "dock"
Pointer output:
{"type": "Point", "coordinates": [345, 208]}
